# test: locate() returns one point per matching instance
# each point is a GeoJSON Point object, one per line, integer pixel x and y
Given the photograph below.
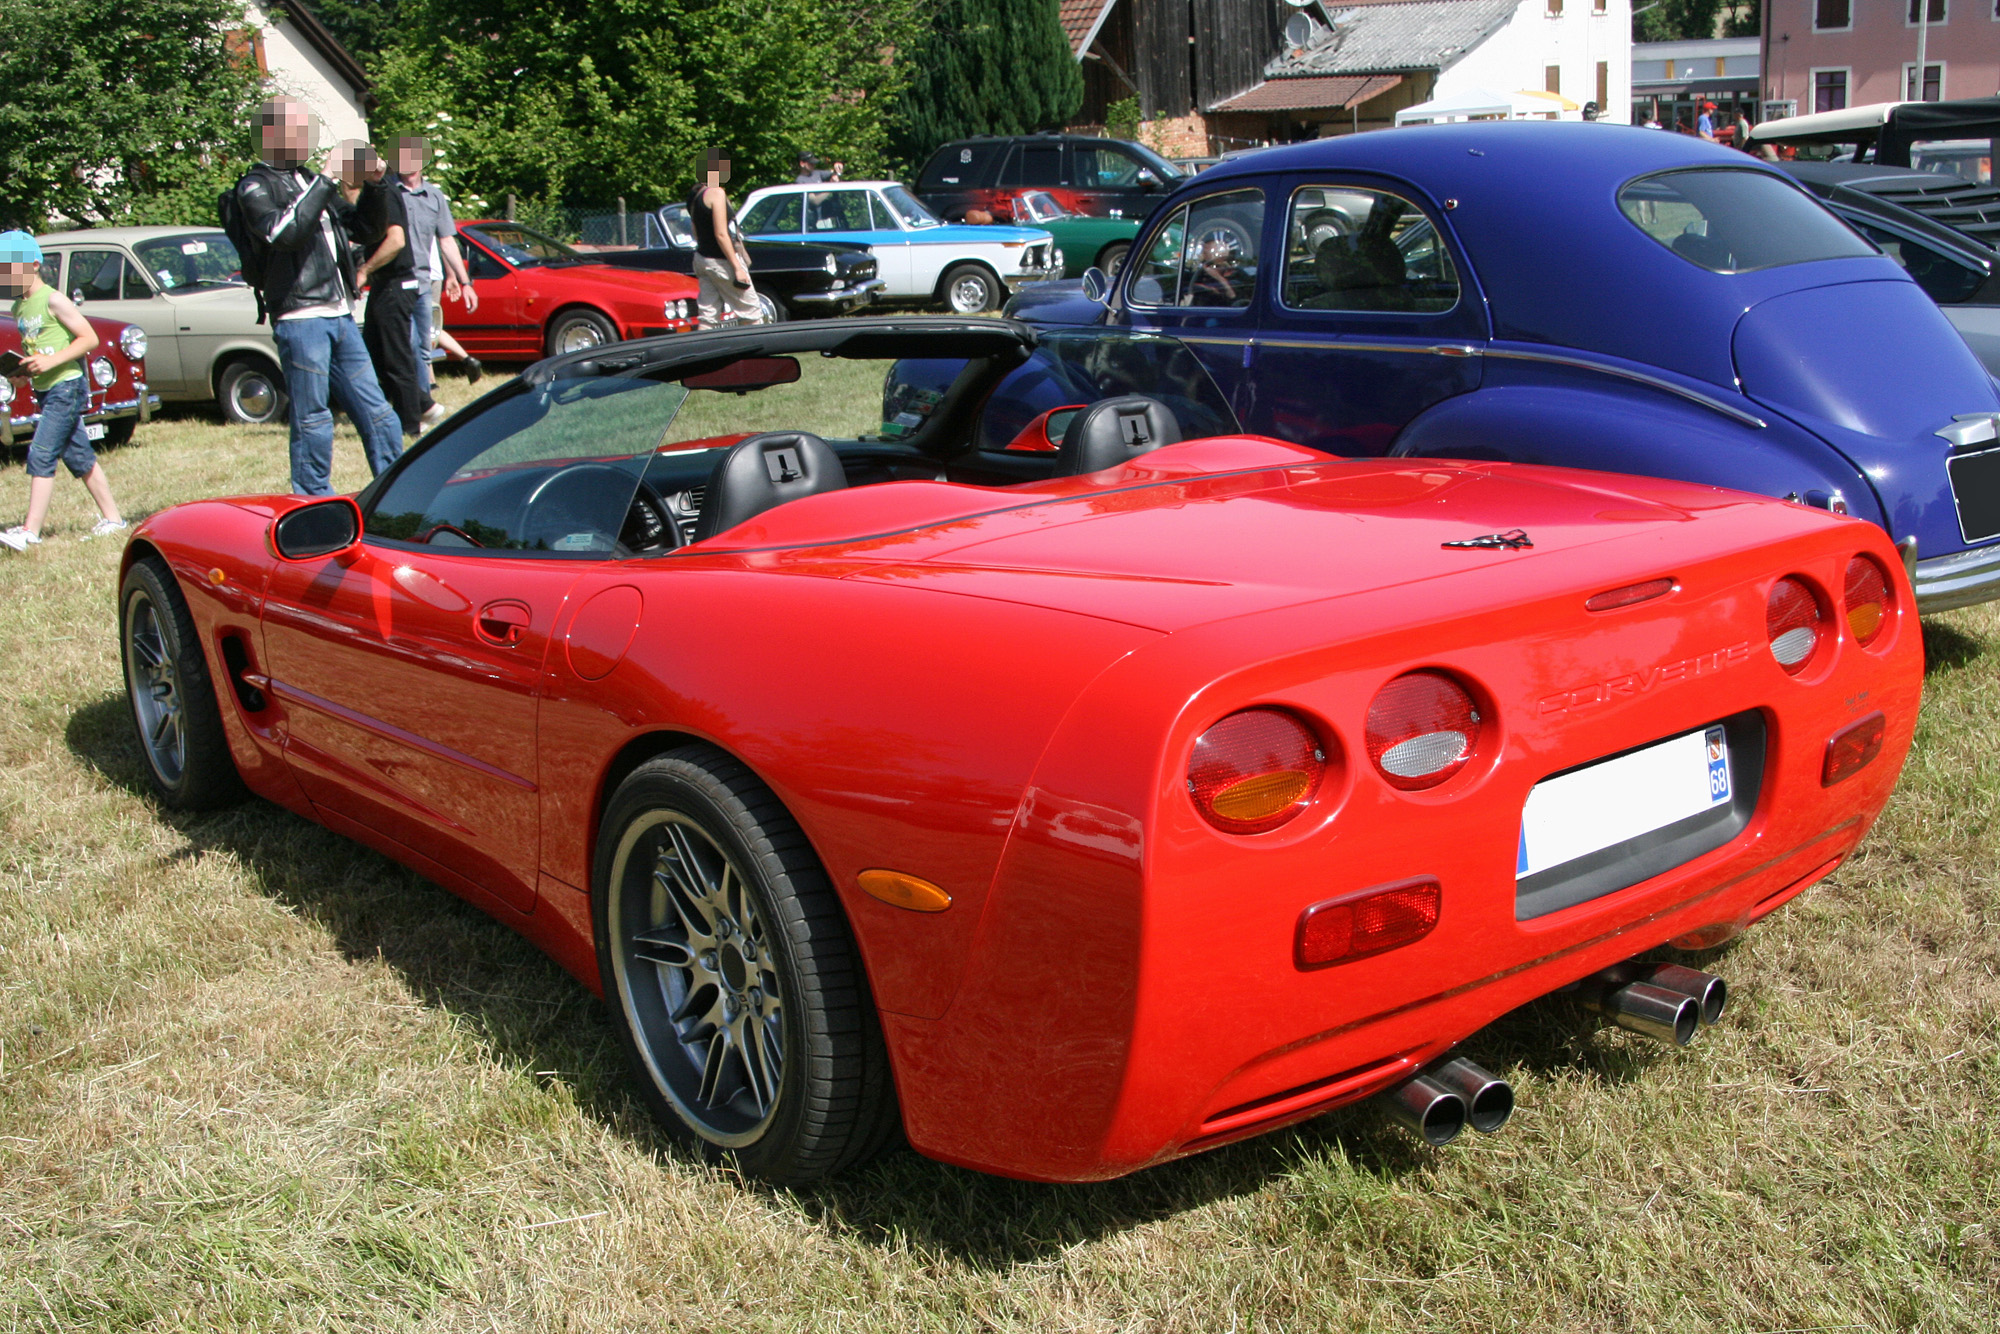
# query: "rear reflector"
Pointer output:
{"type": "Point", "coordinates": [1373, 921]}
{"type": "Point", "coordinates": [1867, 599]}
{"type": "Point", "coordinates": [1796, 624]}
{"type": "Point", "coordinates": [1852, 749]}
{"type": "Point", "coordinates": [1255, 770]}
{"type": "Point", "coordinates": [1422, 728]}
{"type": "Point", "coordinates": [1612, 599]}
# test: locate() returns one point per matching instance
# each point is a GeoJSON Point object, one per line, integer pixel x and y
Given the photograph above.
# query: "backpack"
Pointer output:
{"type": "Point", "coordinates": [250, 250]}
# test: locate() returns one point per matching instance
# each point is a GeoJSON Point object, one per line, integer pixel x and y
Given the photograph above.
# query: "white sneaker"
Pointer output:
{"type": "Point", "coordinates": [104, 528]}
{"type": "Point", "coordinates": [19, 538]}
{"type": "Point", "coordinates": [434, 414]}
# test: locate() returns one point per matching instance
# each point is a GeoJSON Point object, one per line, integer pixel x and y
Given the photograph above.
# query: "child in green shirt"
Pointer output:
{"type": "Point", "coordinates": [55, 338]}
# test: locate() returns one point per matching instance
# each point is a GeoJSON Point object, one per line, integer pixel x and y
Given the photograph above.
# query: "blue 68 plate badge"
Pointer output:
{"type": "Point", "coordinates": [1718, 765]}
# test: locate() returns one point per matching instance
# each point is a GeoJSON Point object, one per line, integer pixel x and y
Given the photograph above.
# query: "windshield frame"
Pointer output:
{"type": "Point", "coordinates": [914, 218]}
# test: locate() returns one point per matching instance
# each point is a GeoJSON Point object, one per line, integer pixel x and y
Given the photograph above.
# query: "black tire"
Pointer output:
{"type": "Point", "coordinates": [971, 289]}
{"type": "Point", "coordinates": [1112, 257]}
{"type": "Point", "coordinates": [251, 392]}
{"type": "Point", "coordinates": [768, 973]}
{"type": "Point", "coordinates": [578, 329]}
{"type": "Point", "coordinates": [167, 683]}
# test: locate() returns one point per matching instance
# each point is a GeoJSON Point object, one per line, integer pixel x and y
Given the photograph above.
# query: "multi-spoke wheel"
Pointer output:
{"type": "Point", "coordinates": [731, 974]}
{"type": "Point", "coordinates": [971, 289]}
{"type": "Point", "coordinates": [174, 706]}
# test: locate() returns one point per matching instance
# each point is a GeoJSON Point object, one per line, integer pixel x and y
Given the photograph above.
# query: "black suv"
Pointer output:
{"type": "Point", "coordinates": [1101, 177]}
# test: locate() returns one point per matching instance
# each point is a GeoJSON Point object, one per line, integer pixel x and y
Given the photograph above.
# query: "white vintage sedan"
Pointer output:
{"type": "Point", "coordinates": [919, 256]}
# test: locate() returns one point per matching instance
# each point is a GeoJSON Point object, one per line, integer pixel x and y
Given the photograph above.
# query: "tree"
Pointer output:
{"type": "Point", "coordinates": [366, 28]}
{"type": "Point", "coordinates": [132, 113]}
{"type": "Point", "coordinates": [1695, 20]}
{"type": "Point", "coordinates": [578, 105]}
{"type": "Point", "coordinates": [987, 67]}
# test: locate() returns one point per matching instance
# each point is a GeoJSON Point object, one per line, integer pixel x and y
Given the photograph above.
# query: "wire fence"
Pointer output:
{"type": "Point", "coordinates": [622, 225]}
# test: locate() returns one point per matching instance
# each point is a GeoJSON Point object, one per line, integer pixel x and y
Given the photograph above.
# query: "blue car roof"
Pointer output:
{"type": "Point", "coordinates": [1537, 211]}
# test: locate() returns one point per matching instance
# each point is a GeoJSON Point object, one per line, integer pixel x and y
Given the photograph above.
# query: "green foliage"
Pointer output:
{"type": "Point", "coordinates": [1696, 20]}
{"type": "Point", "coordinates": [987, 67]}
{"type": "Point", "coordinates": [577, 107]}
{"type": "Point", "coordinates": [126, 113]}
{"type": "Point", "coordinates": [1121, 118]}
{"type": "Point", "coordinates": [366, 28]}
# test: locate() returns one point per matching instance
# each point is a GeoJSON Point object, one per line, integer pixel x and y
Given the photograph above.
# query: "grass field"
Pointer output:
{"type": "Point", "coordinates": [253, 1077]}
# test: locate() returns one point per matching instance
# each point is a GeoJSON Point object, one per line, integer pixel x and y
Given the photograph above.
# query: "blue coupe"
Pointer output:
{"type": "Point", "coordinates": [1584, 295]}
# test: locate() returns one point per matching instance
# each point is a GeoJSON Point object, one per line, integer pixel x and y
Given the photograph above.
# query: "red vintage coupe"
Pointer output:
{"type": "Point", "coordinates": [1069, 809]}
{"type": "Point", "coordinates": [538, 297]}
{"type": "Point", "coordinates": [119, 397]}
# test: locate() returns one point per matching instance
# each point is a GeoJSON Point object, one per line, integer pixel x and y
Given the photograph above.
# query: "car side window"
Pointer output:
{"type": "Point", "coordinates": [136, 288]}
{"type": "Point", "coordinates": [550, 471]}
{"type": "Point", "coordinates": [95, 275]}
{"type": "Point", "coordinates": [1156, 279]}
{"type": "Point", "coordinates": [1104, 166]}
{"type": "Point", "coordinates": [773, 214]}
{"type": "Point", "coordinates": [479, 264]}
{"type": "Point", "coordinates": [1944, 280]}
{"type": "Point", "coordinates": [959, 166]}
{"type": "Point", "coordinates": [837, 211]}
{"type": "Point", "coordinates": [1223, 232]}
{"type": "Point", "coordinates": [51, 267]}
{"type": "Point", "coordinates": [1365, 250]}
{"type": "Point", "coordinates": [1033, 164]}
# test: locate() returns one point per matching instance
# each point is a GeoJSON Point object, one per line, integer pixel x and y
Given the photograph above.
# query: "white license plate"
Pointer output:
{"type": "Point", "coordinates": [93, 430]}
{"type": "Point", "coordinates": [1602, 805]}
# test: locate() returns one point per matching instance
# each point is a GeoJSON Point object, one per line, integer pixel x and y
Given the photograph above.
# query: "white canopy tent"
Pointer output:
{"type": "Point", "coordinates": [1485, 104]}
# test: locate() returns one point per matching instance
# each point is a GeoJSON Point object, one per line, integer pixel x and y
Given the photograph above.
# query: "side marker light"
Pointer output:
{"type": "Point", "coordinates": [1372, 921]}
{"type": "Point", "coordinates": [1852, 749]}
{"type": "Point", "coordinates": [901, 890]}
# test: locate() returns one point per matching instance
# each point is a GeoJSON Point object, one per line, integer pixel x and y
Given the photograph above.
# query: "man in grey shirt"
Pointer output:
{"type": "Point", "coordinates": [433, 241]}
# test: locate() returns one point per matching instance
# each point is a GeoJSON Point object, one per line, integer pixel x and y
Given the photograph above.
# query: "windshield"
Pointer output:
{"type": "Point", "coordinates": [1731, 221]}
{"type": "Point", "coordinates": [523, 247]}
{"type": "Point", "coordinates": [680, 232]}
{"type": "Point", "coordinates": [906, 206]}
{"type": "Point", "coordinates": [191, 260]}
{"type": "Point", "coordinates": [1041, 206]}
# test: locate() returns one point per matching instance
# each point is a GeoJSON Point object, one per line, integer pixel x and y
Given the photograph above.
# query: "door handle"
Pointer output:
{"type": "Point", "coordinates": [502, 624]}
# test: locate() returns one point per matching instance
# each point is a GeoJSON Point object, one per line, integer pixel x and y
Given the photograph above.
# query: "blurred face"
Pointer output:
{"type": "Point", "coordinates": [410, 152]}
{"type": "Point", "coordinates": [715, 168]}
{"type": "Point", "coordinates": [15, 278]}
{"type": "Point", "coordinates": [286, 132]}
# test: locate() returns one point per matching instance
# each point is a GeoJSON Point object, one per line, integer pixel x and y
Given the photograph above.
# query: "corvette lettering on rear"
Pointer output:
{"type": "Point", "coordinates": [1630, 685]}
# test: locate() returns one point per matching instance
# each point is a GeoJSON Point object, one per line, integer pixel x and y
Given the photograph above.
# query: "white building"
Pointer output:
{"type": "Point", "coordinates": [301, 58]}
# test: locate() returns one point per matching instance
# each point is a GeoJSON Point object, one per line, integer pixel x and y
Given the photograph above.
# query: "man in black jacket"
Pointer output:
{"type": "Point", "coordinates": [308, 291]}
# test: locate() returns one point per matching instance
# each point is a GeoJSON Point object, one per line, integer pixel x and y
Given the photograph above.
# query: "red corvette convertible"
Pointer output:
{"type": "Point", "coordinates": [1071, 809]}
{"type": "Point", "coordinates": [538, 297]}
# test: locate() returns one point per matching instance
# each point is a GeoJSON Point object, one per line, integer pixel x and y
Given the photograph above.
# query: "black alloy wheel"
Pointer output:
{"type": "Point", "coordinates": [732, 977]}
{"type": "Point", "coordinates": [174, 708]}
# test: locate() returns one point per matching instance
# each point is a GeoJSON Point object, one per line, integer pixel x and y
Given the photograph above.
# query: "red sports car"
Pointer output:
{"type": "Point", "coordinates": [1071, 809]}
{"type": "Point", "coordinates": [538, 297]}
{"type": "Point", "coordinates": [119, 399]}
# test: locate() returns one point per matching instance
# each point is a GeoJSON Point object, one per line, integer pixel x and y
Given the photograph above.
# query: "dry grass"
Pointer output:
{"type": "Point", "coordinates": [254, 1077]}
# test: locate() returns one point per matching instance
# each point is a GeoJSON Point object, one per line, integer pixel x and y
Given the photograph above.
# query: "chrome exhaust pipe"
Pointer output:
{"type": "Point", "coordinates": [1426, 1109]}
{"type": "Point", "coordinates": [1708, 991]}
{"type": "Point", "coordinates": [1489, 1099]}
{"type": "Point", "coordinates": [1654, 1012]}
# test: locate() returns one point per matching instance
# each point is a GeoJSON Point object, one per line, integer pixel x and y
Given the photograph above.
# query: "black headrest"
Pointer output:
{"type": "Point", "coordinates": [763, 471]}
{"type": "Point", "coordinates": [1112, 430]}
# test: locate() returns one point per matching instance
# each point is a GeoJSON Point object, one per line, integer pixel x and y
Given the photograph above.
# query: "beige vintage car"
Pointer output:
{"type": "Point", "coordinates": [183, 286]}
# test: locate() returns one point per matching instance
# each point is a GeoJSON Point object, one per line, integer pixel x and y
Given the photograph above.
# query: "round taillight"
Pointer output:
{"type": "Point", "coordinates": [1867, 599]}
{"type": "Point", "coordinates": [1796, 624]}
{"type": "Point", "coordinates": [1422, 728]}
{"type": "Point", "coordinates": [1255, 770]}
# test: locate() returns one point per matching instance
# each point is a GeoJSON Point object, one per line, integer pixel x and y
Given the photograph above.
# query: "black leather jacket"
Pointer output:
{"type": "Point", "coordinates": [300, 269]}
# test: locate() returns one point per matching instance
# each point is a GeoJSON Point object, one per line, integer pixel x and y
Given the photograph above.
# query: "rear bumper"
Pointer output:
{"type": "Point", "coordinates": [1958, 580]}
{"type": "Point", "coordinates": [839, 298]}
{"type": "Point", "coordinates": [19, 430]}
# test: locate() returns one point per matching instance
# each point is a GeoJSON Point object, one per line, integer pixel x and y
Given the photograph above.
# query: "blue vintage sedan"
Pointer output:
{"type": "Point", "coordinates": [1585, 295]}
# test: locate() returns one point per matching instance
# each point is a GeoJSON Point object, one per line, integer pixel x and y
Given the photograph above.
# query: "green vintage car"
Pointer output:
{"type": "Point", "coordinates": [1083, 240]}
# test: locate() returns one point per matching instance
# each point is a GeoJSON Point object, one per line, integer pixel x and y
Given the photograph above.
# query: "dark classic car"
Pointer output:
{"type": "Point", "coordinates": [1588, 295]}
{"type": "Point", "coordinates": [119, 397]}
{"type": "Point", "coordinates": [1105, 178]}
{"type": "Point", "coordinates": [793, 279]}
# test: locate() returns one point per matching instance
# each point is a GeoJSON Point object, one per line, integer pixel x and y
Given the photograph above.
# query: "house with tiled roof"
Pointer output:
{"type": "Point", "coordinates": [1212, 75]}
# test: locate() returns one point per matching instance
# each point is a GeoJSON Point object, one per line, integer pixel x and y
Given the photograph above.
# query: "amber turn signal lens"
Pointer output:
{"type": "Point", "coordinates": [902, 890]}
{"type": "Point", "coordinates": [1867, 599]}
{"type": "Point", "coordinates": [1852, 749]}
{"type": "Point", "coordinates": [1255, 770]}
{"type": "Point", "coordinates": [1373, 921]}
{"type": "Point", "coordinates": [1614, 598]}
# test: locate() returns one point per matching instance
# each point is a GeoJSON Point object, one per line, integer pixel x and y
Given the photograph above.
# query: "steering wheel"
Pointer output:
{"type": "Point", "coordinates": [570, 504]}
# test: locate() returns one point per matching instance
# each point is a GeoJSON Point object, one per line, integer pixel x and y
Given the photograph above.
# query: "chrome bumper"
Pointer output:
{"type": "Point", "coordinates": [1958, 580]}
{"type": "Point", "coordinates": [1026, 276]}
{"type": "Point", "coordinates": [15, 430]}
{"type": "Point", "coordinates": [860, 293]}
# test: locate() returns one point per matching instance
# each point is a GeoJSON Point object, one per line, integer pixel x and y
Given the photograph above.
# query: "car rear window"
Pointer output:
{"type": "Point", "coordinates": [1732, 221]}
{"type": "Point", "coordinates": [960, 166]}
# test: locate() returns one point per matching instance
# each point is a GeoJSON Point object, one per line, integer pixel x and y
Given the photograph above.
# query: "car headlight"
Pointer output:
{"type": "Point", "coordinates": [133, 342]}
{"type": "Point", "coordinates": [102, 374]}
{"type": "Point", "coordinates": [831, 266]}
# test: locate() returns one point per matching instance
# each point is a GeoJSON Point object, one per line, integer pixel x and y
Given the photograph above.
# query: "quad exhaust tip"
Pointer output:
{"type": "Point", "coordinates": [1665, 1001]}
{"type": "Point", "coordinates": [1440, 1103]}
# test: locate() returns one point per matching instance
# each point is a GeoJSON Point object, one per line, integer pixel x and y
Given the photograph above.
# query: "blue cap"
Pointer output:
{"type": "Point", "coordinates": [17, 247]}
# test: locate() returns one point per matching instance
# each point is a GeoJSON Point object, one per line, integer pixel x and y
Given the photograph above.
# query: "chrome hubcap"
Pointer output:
{"type": "Point", "coordinates": [968, 295]}
{"type": "Point", "coordinates": [256, 398]}
{"type": "Point", "coordinates": [576, 337]}
{"type": "Point", "coordinates": [696, 977]}
{"type": "Point", "coordinates": [155, 689]}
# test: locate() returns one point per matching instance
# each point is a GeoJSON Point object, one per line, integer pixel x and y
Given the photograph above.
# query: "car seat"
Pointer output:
{"type": "Point", "coordinates": [1112, 430]}
{"type": "Point", "coordinates": [765, 471]}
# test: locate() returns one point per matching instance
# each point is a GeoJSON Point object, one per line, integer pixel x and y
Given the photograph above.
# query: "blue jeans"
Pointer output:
{"type": "Point", "coordinates": [59, 432]}
{"type": "Point", "coordinates": [327, 354]}
{"type": "Point", "coordinates": [420, 335]}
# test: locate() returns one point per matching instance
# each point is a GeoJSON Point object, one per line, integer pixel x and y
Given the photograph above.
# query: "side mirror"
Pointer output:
{"type": "Point", "coordinates": [1044, 434]}
{"type": "Point", "coordinates": [1147, 180]}
{"type": "Point", "coordinates": [320, 528]}
{"type": "Point", "coordinates": [1096, 285]}
{"type": "Point", "coordinates": [76, 295]}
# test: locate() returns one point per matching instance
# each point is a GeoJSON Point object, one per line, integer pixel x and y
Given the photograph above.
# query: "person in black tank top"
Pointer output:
{"type": "Point", "coordinates": [721, 263]}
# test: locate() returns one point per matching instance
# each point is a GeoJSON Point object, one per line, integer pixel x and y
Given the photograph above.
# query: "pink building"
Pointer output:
{"type": "Point", "coordinates": [1829, 54]}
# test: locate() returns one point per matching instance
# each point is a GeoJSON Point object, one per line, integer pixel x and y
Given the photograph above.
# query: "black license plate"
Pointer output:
{"type": "Point", "coordinates": [1975, 484]}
